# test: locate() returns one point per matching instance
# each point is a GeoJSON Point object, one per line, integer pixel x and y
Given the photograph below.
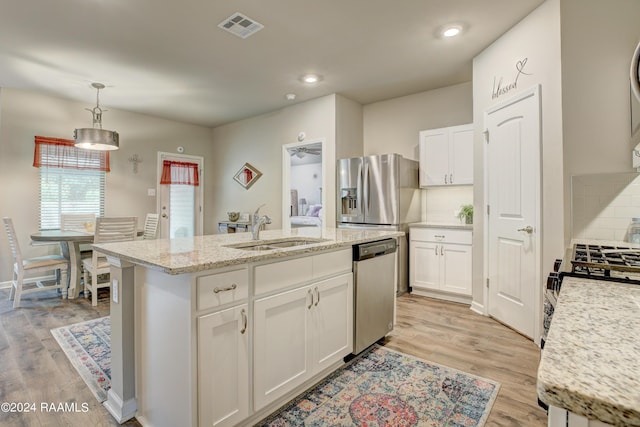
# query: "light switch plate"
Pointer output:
{"type": "Point", "coordinates": [114, 290]}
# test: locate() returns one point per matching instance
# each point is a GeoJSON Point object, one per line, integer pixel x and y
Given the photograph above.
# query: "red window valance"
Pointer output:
{"type": "Point", "coordinates": [179, 173]}
{"type": "Point", "coordinates": [61, 153]}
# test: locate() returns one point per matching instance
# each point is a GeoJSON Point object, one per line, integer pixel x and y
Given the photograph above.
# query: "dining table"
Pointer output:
{"type": "Point", "coordinates": [70, 241]}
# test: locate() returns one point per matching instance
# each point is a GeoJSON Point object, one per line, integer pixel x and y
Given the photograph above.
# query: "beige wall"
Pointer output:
{"type": "Point", "coordinates": [537, 38]}
{"type": "Point", "coordinates": [26, 114]}
{"type": "Point", "coordinates": [598, 40]}
{"type": "Point", "coordinates": [259, 140]}
{"type": "Point", "coordinates": [392, 126]}
{"type": "Point", "coordinates": [349, 128]}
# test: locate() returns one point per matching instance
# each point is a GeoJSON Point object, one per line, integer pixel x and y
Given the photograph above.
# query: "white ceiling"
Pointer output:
{"type": "Point", "coordinates": [168, 58]}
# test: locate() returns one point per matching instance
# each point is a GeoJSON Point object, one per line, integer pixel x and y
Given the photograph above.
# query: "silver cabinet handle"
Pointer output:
{"type": "Point", "coordinates": [445, 178]}
{"type": "Point", "coordinates": [450, 178]}
{"type": "Point", "coordinates": [528, 229]}
{"type": "Point", "coordinates": [439, 236]}
{"type": "Point", "coordinates": [244, 321]}
{"type": "Point", "coordinates": [318, 293]}
{"type": "Point", "coordinates": [311, 304]}
{"type": "Point", "coordinates": [436, 249]}
{"type": "Point", "coordinates": [441, 250]}
{"type": "Point", "coordinates": [229, 288]}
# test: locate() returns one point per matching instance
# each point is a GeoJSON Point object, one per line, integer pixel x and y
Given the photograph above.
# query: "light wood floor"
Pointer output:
{"type": "Point", "coordinates": [33, 368]}
{"type": "Point", "coordinates": [452, 335]}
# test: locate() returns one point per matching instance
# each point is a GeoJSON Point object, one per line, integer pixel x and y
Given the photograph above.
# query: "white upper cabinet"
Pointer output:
{"type": "Point", "coordinates": [446, 156]}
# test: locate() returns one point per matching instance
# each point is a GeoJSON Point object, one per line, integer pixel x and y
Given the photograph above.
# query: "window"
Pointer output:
{"type": "Point", "coordinates": [72, 180]}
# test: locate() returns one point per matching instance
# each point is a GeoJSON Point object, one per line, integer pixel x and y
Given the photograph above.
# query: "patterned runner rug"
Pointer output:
{"type": "Point", "coordinates": [88, 348]}
{"type": "Point", "coordinates": [387, 388]}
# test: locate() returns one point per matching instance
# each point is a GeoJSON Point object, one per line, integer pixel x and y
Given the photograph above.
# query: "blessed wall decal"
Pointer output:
{"type": "Point", "coordinates": [499, 88]}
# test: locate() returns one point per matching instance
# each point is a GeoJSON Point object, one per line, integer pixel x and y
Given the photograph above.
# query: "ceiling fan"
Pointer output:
{"type": "Point", "coordinates": [300, 152]}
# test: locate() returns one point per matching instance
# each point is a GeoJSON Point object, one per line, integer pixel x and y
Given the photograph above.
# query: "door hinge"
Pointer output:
{"type": "Point", "coordinates": [488, 210]}
{"type": "Point", "coordinates": [486, 135]}
{"type": "Point", "coordinates": [487, 282]}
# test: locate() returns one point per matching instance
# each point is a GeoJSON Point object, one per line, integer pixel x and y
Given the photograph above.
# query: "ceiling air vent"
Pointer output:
{"type": "Point", "coordinates": [240, 25]}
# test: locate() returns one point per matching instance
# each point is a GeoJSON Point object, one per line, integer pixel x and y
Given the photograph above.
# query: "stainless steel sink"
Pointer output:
{"type": "Point", "coordinates": [269, 245]}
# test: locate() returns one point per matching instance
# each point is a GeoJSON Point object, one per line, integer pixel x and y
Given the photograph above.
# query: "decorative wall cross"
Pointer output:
{"type": "Point", "coordinates": [135, 159]}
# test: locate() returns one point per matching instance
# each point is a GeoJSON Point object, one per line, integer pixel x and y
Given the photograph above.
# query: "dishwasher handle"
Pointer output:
{"type": "Point", "coordinates": [374, 249]}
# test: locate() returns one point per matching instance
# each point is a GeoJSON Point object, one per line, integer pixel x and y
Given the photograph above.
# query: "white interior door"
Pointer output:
{"type": "Point", "coordinates": [513, 178]}
{"type": "Point", "coordinates": [180, 205]}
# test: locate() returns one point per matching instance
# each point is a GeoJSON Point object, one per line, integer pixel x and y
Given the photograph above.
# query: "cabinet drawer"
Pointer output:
{"type": "Point", "coordinates": [281, 275]}
{"type": "Point", "coordinates": [332, 263]}
{"type": "Point", "coordinates": [223, 288]}
{"type": "Point", "coordinates": [445, 235]}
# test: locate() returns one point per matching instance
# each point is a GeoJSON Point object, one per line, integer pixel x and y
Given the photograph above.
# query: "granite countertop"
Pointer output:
{"type": "Point", "coordinates": [186, 255]}
{"type": "Point", "coordinates": [590, 364]}
{"type": "Point", "coordinates": [451, 225]}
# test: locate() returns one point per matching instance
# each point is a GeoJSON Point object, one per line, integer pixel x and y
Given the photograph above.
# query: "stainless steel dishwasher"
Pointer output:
{"type": "Point", "coordinates": [374, 271]}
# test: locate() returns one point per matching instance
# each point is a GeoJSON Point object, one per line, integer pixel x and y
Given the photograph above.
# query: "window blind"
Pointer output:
{"type": "Point", "coordinates": [72, 180]}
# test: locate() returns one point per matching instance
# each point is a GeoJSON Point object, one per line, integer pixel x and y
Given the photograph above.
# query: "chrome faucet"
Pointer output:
{"type": "Point", "coordinates": [257, 222]}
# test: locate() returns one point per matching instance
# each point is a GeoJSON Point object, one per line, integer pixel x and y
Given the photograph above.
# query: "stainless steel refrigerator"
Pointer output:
{"type": "Point", "coordinates": [380, 192]}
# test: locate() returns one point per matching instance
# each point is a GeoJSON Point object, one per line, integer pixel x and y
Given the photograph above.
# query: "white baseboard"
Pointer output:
{"type": "Point", "coordinates": [478, 308]}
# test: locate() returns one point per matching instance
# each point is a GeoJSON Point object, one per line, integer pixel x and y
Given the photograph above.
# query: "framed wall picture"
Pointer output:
{"type": "Point", "coordinates": [247, 175]}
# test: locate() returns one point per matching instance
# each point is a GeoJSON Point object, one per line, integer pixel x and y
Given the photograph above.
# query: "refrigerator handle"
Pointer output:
{"type": "Point", "coordinates": [367, 190]}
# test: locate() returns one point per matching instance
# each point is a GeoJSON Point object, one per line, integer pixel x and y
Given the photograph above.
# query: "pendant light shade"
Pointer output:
{"type": "Point", "coordinates": [96, 138]}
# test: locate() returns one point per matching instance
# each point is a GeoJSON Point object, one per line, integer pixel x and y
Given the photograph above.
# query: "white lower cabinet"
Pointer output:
{"type": "Point", "coordinates": [223, 367]}
{"type": "Point", "coordinates": [299, 333]}
{"type": "Point", "coordinates": [440, 261]}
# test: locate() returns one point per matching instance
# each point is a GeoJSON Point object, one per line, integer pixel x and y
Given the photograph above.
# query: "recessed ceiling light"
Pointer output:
{"type": "Point", "coordinates": [451, 31]}
{"type": "Point", "coordinates": [290, 96]}
{"type": "Point", "coordinates": [311, 78]}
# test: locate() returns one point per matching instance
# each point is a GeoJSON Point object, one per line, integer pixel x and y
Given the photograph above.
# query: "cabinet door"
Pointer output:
{"type": "Point", "coordinates": [282, 360]}
{"type": "Point", "coordinates": [456, 269]}
{"type": "Point", "coordinates": [332, 320]}
{"type": "Point", "coordinates": [223, 367]}
{"type": "Point", "coordinates": [424, 264]}
{"type": "Point", "coordinates": [434, 157]}
{"type": "Point", "coordinates": [461, 155]}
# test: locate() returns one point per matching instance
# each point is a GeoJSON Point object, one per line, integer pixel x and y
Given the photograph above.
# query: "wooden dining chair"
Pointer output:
{"type": "Point", "coordinates": [24, 266]}
{"type": "Point", "coordinates": [150, 226]}
{"type": "Point", "coordinates": [78, 222]}
{"type": "Point", "coordinates": [84, 222]}
{"type": "Point", "coordinates": [108, 229]}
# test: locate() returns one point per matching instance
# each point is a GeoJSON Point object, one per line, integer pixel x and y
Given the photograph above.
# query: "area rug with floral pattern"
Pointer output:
{"type": "Point", "coordinates": [88, 348]}
{"type": "Point", "coordinates": [387, 388]}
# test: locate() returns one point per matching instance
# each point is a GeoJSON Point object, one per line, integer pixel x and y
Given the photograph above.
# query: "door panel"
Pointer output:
{"type": "Point", "coordinates": [513, 176]}
{"type": "Point", "coordinates": [180, 206]}
{"type": "Point", "coordinates": [434, 155]}
{"type": "Point", "coordinates": [281, 361]}
{"type": "Point", "coordinates": [350, 186]}
{"type": "Point", "coordinates": [456, 269]}
{"type": "Point", "coordinates": [381, 197]}
{"type": "Point", "coordinates": [425, 265]}
{"type": "Point", "coordinates": [461, 155]}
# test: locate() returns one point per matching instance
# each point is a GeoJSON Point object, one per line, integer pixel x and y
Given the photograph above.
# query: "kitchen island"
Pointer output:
{"type": "Point", "coordinates": [589, 372]}
{"type": "Point", "coordinates": [222, 330]}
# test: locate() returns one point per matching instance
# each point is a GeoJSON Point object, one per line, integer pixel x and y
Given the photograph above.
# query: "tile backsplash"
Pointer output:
{"type": "Point", "coordinates": [441, 203]}
{"type": "Point", "coordinates": [602, 205]}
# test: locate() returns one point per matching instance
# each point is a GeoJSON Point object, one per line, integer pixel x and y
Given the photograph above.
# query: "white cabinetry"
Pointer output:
{"type": "Point", "coordinates": [440, 263]}
{"type": "Point", "coordinates": [446, 156]}
{"type": "Point", "coordinates": [302, 331]}
{"type": "Point", "coordinates": [223, 349]}
{"type": "Point", "coordinates": [223, 367]}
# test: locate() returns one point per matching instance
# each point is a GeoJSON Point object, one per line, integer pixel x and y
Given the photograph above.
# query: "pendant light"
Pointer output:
{"type": "Point", "coordinates": [96, 138]}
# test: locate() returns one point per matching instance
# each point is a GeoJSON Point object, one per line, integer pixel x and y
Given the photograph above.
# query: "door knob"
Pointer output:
{"type": "Point", "coordinates": [164, 215]}
{"type": "Point", "coordinates": [528, 229]}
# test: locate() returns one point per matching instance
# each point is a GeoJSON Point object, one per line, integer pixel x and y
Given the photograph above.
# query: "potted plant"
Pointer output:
{"type": "Point", "coordinates": [466, 213]}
